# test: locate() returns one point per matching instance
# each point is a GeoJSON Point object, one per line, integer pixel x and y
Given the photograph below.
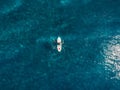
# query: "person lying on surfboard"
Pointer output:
{"type": "Point", "coordinates": [59, 44]}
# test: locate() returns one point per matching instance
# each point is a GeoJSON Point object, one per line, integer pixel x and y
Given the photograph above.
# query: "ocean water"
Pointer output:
{"type": "Point", "coordinates": [89, 60]}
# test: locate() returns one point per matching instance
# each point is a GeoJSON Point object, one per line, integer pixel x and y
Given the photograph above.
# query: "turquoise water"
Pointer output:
{"type": "Point", "coordinates": [89, 60]}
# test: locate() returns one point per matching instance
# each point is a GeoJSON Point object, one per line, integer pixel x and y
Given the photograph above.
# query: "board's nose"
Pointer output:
{"type": "Point", "coordinates": [58, 40]}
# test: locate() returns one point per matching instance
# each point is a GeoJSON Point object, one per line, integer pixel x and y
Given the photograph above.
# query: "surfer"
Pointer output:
{"type": "Point", "coordinates": [59, 44]}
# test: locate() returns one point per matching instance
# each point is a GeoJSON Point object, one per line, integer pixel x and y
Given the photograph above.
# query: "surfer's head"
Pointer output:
{"type": "Point", "coordinates": [58, 40]}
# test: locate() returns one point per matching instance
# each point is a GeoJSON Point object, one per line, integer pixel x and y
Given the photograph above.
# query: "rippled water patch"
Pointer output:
{"type": "Point", "coordinates": [7, 6]}
{"type": "Point", "coordinates": [112, 57]}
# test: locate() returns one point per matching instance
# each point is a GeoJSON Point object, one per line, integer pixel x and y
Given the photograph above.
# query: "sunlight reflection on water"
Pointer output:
{"type": "Point", "coordinates": [112, 57]}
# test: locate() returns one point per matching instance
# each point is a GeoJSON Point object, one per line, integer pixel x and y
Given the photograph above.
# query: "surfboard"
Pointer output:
{"type": "Point", "coordinates": [59, 46]}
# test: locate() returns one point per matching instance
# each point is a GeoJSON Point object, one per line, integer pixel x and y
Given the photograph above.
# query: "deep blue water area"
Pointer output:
{"type": "Point", "coordinates": [90, 57]}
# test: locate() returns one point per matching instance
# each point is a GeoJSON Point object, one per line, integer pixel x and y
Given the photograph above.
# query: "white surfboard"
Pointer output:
{"type": "Point", "coordinates": [59, 46]}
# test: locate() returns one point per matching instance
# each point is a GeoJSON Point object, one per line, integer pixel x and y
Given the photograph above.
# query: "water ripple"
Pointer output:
{"type": "Point", "coordinates": [7, 6]}
{"type": "Point", "coordinates": [112, 57]}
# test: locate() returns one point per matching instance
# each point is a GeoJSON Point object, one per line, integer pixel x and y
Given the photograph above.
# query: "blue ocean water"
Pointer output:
{"type": "Point", "coordinates": [89, 60]}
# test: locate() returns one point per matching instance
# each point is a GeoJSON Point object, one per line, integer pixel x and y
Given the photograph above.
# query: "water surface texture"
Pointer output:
{"type": "Point", "coordinates": [89, 60]}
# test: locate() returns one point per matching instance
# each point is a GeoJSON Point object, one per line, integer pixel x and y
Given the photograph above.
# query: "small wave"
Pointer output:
{"type": "Point", "coordinates": [9, 51]}
{"type": "Point", "coordinates": [9, 5]}
{"type": "Point", "coordinates": [69, 2]}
